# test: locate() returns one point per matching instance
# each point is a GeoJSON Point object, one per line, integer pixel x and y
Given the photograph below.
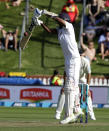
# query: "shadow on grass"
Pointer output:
{"type": "Point", "coordinates": [50, 67]}
{"type": "Point", "coordinates": [103, 64]}
{"type": "Point", "coordinates": [102, 74]}
{"type": "Point", "coordinates": [46, 41]}
{"type": "Point", "coordinates": [59, 58]}
{"type": "Point", "coordinates": [42, 6]}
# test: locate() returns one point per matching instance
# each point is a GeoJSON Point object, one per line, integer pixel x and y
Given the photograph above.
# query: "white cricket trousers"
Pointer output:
{"type": "Point", "coordinates": [61, 102]}
{"type": "Point", "coordinates": [72, 68]}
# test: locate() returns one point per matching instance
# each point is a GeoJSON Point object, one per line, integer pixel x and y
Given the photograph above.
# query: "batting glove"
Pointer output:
{"type": "Point", "coordinates": [37, 13]}
{"type": "Point", "coordinates": [39, 22]}
{"type": "Point", "coordinates": [36, 21]}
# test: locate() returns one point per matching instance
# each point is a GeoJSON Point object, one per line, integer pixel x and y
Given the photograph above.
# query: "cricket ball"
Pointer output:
{"type": "Point", "coordinates": [26, 34]}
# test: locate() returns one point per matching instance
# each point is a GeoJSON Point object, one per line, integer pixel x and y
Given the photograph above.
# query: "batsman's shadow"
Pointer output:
{"type": "Point", "coordinates": [45, 41]}
{"type": "Point", "coordinates": [103, 64]}
{"type": "Point", "coordinates": [56, 58]}
{"type": "Point", "coordinates": [51, 67]}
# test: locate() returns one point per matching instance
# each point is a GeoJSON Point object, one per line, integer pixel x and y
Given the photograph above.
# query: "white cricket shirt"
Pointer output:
{"type": "Point", "coordinates": [66, 37]}
{"type": "Point", "coordinates": [84, 69]}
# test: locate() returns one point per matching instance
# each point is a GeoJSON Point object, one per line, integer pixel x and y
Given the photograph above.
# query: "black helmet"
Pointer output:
{"type": "Point", "coordinates": [65, 16]}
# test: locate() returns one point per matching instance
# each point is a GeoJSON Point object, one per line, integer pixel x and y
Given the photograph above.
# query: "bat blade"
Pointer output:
{"type": "Point", "coordinates": [27, 36]}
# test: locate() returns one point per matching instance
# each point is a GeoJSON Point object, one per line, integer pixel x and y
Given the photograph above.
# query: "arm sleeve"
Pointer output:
{"type": "Point", "coordinates": [68, 26]}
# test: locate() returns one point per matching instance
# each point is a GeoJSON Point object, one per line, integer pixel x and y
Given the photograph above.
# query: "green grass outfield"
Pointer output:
{"type": "Point", "coordinates": [42, 119]}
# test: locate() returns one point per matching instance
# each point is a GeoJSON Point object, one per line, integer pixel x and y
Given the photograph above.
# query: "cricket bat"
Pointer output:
{"type": "Point", "coordinates": [27, 36]}
{"type": "Point", "coordinates": [28, 33]}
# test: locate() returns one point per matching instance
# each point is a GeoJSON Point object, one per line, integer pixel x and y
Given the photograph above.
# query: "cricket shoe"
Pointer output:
{"type": "Point", "coordinates": [92, 117]}
{"type": "Point", "coordinates": [68, 120]}
{"type": "Point", "coordinates": [78, 114]}
{"type": "Point", "coordinates": [57, 116]}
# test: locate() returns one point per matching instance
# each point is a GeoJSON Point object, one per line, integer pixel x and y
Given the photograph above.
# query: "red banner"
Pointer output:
{"type": "Point", "coordinates": [35, 94]}
{"type": "Point", "coordinates": [4, 93]}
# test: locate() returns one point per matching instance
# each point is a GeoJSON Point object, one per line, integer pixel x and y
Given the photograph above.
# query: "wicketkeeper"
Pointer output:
{"type": "Point", "coordinates": [85, 76]}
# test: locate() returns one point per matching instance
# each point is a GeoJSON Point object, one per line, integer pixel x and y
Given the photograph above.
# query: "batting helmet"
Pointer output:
{"type": "Point", "coordinates": [65, 16]}
{"type": "Point", "coordinates": [70, 1]}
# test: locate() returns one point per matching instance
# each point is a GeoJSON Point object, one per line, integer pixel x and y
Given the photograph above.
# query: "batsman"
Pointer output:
{"type": "Point", "coordinates": [66, 37]}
